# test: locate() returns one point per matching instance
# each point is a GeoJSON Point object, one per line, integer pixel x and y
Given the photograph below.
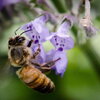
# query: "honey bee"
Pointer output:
{"type": "Point", "coordinates": [20, 55]}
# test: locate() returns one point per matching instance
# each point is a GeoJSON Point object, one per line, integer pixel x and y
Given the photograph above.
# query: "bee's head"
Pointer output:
{"type": "Point", "coordinates": [16, 41]}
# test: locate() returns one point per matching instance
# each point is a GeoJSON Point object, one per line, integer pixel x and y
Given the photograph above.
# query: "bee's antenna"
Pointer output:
{"type": "Point", "coordinates": [24, 32]}
{"type": "Point", "coordinates": [16, 30]}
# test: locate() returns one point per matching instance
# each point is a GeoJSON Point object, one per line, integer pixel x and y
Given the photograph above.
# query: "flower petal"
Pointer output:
{"type": "Point", "coordinates": [62, 41]}
{"type": "Point", "coordinates": [39, 25]}
{"type": "Point", "coordinates": [50, 54]}
{"type": "Point", "coordinates": [42, 19]}
{"type": "Point", "coordinates": [36, 29]}
{"type": "Point", "coordinates": [64, 28]}
{"type": "Point", "coordinates": [60, 66]}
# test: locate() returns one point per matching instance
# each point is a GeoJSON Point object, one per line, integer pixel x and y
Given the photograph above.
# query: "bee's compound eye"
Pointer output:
{"type": "Point", "coordinates": [20, 39]}
{"type": "Point", "coordinates": [10, 42]}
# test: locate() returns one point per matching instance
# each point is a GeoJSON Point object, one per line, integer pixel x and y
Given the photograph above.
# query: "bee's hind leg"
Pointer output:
{"type": "Point", "coordinates": [48, 66]}
{"type": "Point", "coordinates": [42, 69]}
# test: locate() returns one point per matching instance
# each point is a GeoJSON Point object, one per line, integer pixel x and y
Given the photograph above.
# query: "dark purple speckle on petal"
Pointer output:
{"type": "Point", "coordinates": [60, 49]}
{"type": "Point", "coordinates": [33, 36]}
{"type": "Point", "coordinates": [39, 37]}
{"type": "Point", "coordinates": [56, 43]}
{"type": "Point", "coordinates": [36, 41]}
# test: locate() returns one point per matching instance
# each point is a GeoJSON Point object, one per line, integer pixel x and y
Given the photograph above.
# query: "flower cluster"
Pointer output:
{"type": "Point", "coordinates": [61, 40]}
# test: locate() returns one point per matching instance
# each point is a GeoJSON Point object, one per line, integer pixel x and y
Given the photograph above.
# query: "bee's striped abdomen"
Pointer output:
{"type": "Point", "coordinates": [35, 79]}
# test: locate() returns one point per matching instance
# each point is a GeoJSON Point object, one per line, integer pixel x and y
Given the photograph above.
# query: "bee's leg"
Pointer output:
{"type": "Point", "coordinates": [48, 66]}
{"type": "Point", "coordinates": [45, 69]}
{"type": "Point", "coordinates": [51, 63]}
{"type": "Point", "coordinates": [36, 53]}
{"type": "Point", "coordinates": [41, 67]}
{"type": "Point", "coordinates": [30, 43]}
{"type": "Point", "coordinates": [36, 64]}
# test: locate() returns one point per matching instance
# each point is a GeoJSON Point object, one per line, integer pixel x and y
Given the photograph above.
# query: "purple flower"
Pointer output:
{"type": "Point", "coordinates": [61, 41]}
{"type": "Point", "coordinates": [37, 30]}
{"type": "Point", "coordinates": [71, 18]}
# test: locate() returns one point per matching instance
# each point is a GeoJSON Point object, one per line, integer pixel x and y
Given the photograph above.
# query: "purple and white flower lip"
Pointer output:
{"type": "Point", "coordinates": [61, 39]}
{"type": "Point", "coordinates": [37, 29]}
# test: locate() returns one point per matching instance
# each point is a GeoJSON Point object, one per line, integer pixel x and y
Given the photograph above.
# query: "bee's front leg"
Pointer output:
{"type": "Point", "coordinates": [30, 43]}
{"type": "Point", "coordinates": [37, 52]}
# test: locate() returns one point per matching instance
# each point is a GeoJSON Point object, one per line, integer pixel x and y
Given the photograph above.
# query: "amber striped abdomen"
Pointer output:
{"type": "Point", "coordinates": [36, 80]}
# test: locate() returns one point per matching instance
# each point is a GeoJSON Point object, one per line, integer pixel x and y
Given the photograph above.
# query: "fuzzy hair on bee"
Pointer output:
{"type": "Point", "coordinates": [20, 55]}
{"type": "Point", "coordinates": [35, 79]}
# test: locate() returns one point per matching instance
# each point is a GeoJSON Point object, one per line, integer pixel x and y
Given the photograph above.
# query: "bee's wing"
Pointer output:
{"type": "Point", "coordinates": [13, 69]}
{"type": "Point", "coordinates": [5, 74]}
{"type": "Point", "coordinates": [9, 70]}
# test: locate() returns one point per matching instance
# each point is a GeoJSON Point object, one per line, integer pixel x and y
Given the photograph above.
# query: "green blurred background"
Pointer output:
{"type": "Point", "coordinates": [81, 80]}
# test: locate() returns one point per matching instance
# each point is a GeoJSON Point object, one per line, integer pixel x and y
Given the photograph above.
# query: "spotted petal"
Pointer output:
{"type": "Point", "coordinates": [62, 42]}
{"type": "Point", "coordinates": [36, 30]}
